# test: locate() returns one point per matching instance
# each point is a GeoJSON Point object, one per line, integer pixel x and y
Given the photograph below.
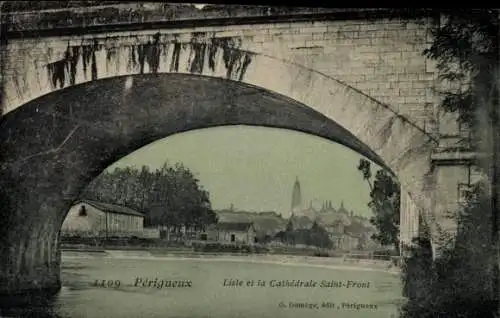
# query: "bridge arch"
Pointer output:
{"type": "Point", "coordinates": [391, 136]}
{"type": "Point", "coordinates": [64, 136]}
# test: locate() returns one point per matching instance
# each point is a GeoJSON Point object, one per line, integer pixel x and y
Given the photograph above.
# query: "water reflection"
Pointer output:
{"type": "Point", "coordinates": [45, 305]}
{"type": "Point", "coordinates": [38, 305]}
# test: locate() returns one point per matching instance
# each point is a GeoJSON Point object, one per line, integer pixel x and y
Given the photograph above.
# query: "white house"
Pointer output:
{"type": "Point", "coordinates": [93, 218]}
{"type": "Point", "coordinates": [232, 232]}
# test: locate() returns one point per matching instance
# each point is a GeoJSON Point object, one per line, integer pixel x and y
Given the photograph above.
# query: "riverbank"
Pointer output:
{"type": "Point", "coordinates": [291, 260]}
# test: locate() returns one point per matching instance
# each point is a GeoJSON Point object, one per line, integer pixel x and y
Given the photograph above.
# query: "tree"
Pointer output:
{"type": "Point", "coordinates": [365, 169]}
{"type": "Point", "coordinates": [385, 204]}
{"type": "Point", "coordinates": [170, 196]}
{"type": "Point", "coordinates": [289, 234]}
{"type": "Point", "coordinates": [318, 236]}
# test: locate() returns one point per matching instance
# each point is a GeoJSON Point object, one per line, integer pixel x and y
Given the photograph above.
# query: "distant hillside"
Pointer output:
{"type": "Point", "coordinates": [265, 222]}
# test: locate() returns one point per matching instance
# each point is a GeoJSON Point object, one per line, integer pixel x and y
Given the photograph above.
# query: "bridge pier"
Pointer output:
{"type": "Point", "coordinates": [410, 226]}
{"type": "Point", "coordinates": [31, 219]}
{"type": "Point", "coordinates": [453, 173]}
{"type": "Point", "coordinates": [33, 268]}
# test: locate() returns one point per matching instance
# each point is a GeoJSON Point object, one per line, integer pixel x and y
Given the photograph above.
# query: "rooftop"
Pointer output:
{"type": "Point", "coordinates": [355, 229]}
{"type": "Point", "coordinates": [234, 226]}
{"type": "Point", "coordinates": [111, 208]}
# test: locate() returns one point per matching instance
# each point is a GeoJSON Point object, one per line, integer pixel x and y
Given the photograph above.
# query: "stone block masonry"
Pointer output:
{"type": "Point", "coordinates": [382, 59]}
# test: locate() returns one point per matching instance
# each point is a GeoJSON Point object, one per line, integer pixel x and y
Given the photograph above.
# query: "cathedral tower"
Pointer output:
{"type": "Point", "coordinates": [296, 198]}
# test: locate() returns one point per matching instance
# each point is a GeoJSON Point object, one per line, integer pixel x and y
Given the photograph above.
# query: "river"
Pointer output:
{"type": "Point", "coordinates": [219, 287]}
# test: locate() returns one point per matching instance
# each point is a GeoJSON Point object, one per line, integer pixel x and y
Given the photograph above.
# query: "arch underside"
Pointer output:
{"type": "Point", "coordinates": [121, 119]}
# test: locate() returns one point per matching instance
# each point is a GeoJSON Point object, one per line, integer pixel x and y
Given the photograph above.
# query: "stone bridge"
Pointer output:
{"type": "Point", "coordinates": [84, 86]}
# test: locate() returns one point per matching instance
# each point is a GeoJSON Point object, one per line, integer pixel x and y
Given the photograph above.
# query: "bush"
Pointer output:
{"type": "Point", "coordinates": [458, 283]}
{"type": "Point", "coordinates": [321, 254]}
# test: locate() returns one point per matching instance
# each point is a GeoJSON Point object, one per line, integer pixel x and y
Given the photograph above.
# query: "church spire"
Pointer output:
{"type": "Point", "coordinates": [342, 209]}
{"type": "Point", "coordinates": [296, 196]}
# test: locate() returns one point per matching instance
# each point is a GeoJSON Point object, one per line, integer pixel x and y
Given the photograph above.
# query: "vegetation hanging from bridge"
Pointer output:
{"type": "Point", "coordinates": [200, 49]}
{"type": "Point", "coordinates": [68, 64]}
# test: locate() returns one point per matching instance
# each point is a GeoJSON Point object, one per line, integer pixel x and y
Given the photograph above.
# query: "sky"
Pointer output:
{"type": "Point", "coordinates": [254, 168]}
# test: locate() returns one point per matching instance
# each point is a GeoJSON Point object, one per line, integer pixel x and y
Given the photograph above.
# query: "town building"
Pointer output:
{"type": "Point", "coordinates": [301, 222]}
{"type": "Point", "coordinates": [232, 232]}
{"type": "Point", "coordinates": [344, 241]}
{"type": "Point", "coordinates": [92, 218]}
{"type": "Point", "coordinates": [266, 224]}
{"type": "Point", "coordinates": [346, 230]}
